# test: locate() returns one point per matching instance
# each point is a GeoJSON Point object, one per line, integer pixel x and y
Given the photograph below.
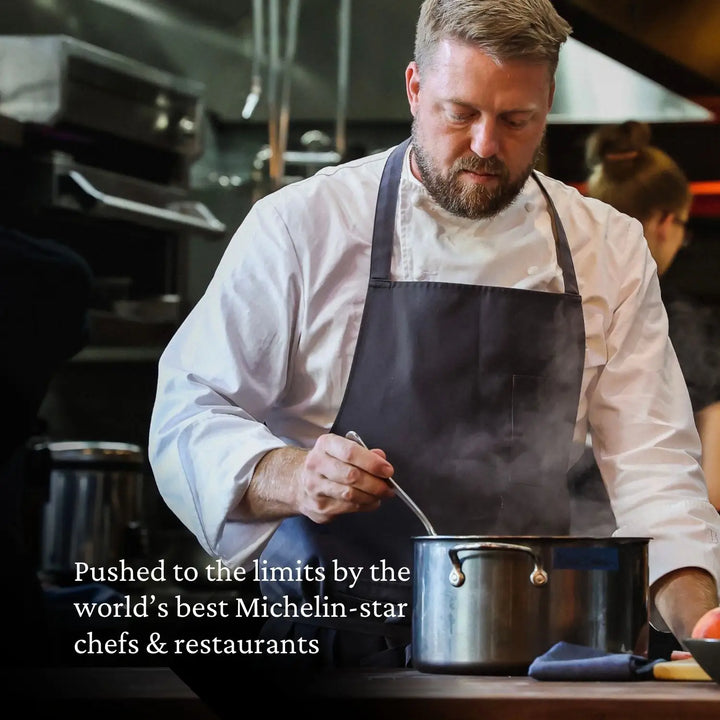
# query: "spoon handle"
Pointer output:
{"type": "Point", "coordinates": [352, 435]}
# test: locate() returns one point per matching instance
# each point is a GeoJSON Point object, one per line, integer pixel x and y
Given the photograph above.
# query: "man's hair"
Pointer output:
{"type": "Point", "coordinates": [505, 30]}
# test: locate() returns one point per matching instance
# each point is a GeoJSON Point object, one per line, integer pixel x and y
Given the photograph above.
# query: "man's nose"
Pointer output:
{"type": "Point", "coordinates": [484, 139]}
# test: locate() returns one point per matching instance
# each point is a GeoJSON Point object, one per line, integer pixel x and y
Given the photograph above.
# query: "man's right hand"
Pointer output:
{"type": "Point", "coordinates": [336, 476]}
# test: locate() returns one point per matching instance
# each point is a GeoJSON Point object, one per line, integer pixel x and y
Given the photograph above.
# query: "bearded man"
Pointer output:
{"type": "Point", "coordinates": [470, 318]}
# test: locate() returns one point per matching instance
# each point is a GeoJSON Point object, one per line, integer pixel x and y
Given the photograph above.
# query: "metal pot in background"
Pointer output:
{"type": "Point", "coordinates": [94, 511]}
{"type": "Point", "coordinates": [491, 605]}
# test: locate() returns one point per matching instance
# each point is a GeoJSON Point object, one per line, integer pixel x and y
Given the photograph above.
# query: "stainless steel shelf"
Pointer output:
{"type": "Point", "coordinates": [119, 353]}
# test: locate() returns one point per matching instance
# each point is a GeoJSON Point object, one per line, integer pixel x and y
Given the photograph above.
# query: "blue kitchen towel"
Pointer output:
{"type": "Point", "coordinates": [565, 661]}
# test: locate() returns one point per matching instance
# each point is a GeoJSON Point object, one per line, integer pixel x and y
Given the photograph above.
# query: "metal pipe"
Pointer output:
{"type": "Point", "coordinates": [274, 69]}
{"type": "Point", "coordinates": [253, 97]}
{"type": "Point", "coordinates": [290, 48]}
{"type": "Point", "coordinates": [344, 19]}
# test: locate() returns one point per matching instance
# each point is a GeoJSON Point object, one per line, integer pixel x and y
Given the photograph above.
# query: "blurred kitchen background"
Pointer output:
{"type": "Point", "coordinates": [140, 132]}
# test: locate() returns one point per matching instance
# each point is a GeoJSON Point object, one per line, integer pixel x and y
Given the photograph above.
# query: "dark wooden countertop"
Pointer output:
{"type": "Point", "coordinates": [157, 692]}
{"type": "Point", "coordinates": [421, 696]}
{"type": "Point", "coordinates": [104, 692]}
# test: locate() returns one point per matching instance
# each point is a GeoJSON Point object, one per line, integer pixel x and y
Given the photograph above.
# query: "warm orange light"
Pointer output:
{"type": "Point", "coordinates": [706, 197]}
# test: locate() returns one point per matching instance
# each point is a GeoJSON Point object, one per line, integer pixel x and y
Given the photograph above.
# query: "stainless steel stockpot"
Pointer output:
{"type": "Point", "coordinates": [95, 506]}
{"type": "Point", "coordinates": [491, 605]}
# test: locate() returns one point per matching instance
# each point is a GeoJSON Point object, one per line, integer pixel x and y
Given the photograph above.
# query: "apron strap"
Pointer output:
{"type": "Point", "coordinates": [384, 224]}
{"type": "Point", "coordinates": [562, 247]}
{"type": "Point", "coordinates": [383, 229]}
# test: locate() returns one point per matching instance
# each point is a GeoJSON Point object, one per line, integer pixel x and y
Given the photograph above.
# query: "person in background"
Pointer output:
{"type": "Point", "coordinates": [467, 316]}
{"type": "Point", "coordinates": [45, 290]}
{"type": "Point", "coordinates": [643, 181]}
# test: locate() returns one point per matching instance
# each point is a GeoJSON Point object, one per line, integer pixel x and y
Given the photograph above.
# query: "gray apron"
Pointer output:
{"type": "Point", "coordinates": [473, 392]}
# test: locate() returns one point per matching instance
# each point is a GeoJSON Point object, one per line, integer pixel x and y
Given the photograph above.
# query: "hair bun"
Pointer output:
{"type": "Point", "coordinates": [614, 143]}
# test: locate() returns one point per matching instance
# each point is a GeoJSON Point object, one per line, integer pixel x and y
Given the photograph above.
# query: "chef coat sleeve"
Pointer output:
{"type": "Point", "coordinates": [644, 437]}
{"type": "Point", "coordinates": [221, 372]}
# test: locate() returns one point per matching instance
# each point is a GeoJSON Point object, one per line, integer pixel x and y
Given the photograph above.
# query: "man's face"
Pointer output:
{"type": "Point", "coordinates": [477, 127]}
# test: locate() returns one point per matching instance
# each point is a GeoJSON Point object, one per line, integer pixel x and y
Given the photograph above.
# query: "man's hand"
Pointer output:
{"type": "Point", "coordinates": [682, 597]}
{"type": "Point", "coordinates": [335, 477]}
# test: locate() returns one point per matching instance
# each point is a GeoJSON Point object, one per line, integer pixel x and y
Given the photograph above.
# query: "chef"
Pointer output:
{"type": "Point", "coordinates": [470, 318]}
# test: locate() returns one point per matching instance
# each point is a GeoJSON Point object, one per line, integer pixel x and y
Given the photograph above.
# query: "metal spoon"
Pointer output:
{"type": "Point", "coordinates": [352, 435]}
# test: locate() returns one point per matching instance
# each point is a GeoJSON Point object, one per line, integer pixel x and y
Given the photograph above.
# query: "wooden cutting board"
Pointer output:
{"type": "Point", "coordinates": [679, 670]}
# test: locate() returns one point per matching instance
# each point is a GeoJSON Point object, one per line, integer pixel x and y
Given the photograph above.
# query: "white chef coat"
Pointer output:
{"type": "Point", "coordinates": [263, 358]}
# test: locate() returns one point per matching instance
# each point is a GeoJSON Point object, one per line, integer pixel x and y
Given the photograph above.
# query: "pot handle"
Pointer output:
{"type": "Point", "coordinates": [538, 576]}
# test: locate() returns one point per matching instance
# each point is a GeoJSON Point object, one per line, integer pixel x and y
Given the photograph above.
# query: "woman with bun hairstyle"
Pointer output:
{"type": "Point", "coordinates": [641, 180]}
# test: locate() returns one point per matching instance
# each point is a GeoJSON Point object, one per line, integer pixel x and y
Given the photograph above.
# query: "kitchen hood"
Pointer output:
{"type": "Point", "coordinates": [592, 87]}
{"type": "Point", "coordinates": [652, 60]}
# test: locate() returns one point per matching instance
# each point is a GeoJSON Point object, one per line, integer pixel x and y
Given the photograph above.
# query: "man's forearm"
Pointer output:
{"type": "Point", "coordinates": [272, 489]}
{"type": "Point", "coordinates": [682, 597]}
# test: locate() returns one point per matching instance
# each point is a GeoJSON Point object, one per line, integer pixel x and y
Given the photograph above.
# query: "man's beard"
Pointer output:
{"type": "Point", "coordinates": [469, 200]}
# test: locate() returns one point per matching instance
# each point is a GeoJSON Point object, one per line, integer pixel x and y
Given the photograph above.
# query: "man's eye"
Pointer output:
{"type": "Point", "coordinates": [516, 123]}
{"type": "Point", "coordinates": [458, 117]}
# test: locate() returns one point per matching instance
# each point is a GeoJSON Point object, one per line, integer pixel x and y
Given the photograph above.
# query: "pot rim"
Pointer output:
{"type": "Point", "coordinates": [534, 538]}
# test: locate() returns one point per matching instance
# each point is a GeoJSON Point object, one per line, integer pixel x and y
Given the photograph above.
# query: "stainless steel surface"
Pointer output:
{"type": "Point", "coordinates": [595, 88]}
{"type": "Point", "coordinates": [291, 31]}
{"type": "Point", "coordinates": [273, 106]}
{"type": "Point", "coordinates": [57, 182]}
{"type": "Point", "coordinates": [281, 69]}
{"type": "Point", "coordinates": [538, 576]}
{"type": "Point", "coordinates": [189, 215]}
{"type": "Point", "coordinates": [258, 56]}
{"type": "Point", "coordinates": [162, 309]}
{"type": "Point", "coordinates": [344, 40]}
{"type": "Point", "coordinates": [311, 158]}
{"type": "Point", "coordinates": [57, 80]}
{"type": "Point", "coordinates": [497, 622]}
{"type": "Point", "coordinates": [95, 509]}
{"type": "Point", "coordinates": [105, 161]}
{"type": "Point", "coordinates": [352, 435]}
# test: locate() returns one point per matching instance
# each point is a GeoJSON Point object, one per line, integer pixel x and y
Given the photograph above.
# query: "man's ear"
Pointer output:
{"type": "Point", "coordinates": [412, 85]}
